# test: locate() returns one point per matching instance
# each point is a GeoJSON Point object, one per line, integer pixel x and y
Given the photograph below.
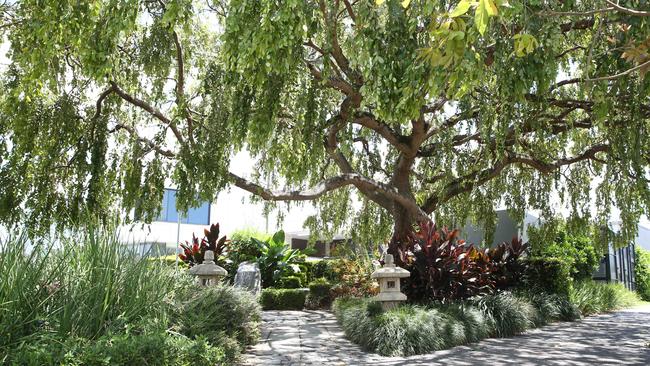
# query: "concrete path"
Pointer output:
{"type": "Point", "coordinates": [314, 338]}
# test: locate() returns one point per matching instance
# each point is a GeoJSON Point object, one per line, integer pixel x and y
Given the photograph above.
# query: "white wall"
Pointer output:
{"type": "Point", "coordinates": [232, 210]}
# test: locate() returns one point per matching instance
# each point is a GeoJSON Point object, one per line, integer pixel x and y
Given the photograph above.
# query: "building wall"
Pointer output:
{"type": "Point", "coordinates": [232, 210]}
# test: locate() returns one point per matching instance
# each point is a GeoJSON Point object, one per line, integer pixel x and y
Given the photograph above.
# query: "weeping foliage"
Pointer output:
{"type": "Point", "coordinates": [521, 108]}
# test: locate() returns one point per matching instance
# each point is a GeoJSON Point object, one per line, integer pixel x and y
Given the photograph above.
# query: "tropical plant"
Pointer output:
{"type": "Point", "coordinates": [446, 268]}
{"type": "Point", "coordinates": [193, 253]}
{"type": "Point", "coordinates": [506, 261]}
{"type": "Point", "coordinates": [276, 258]}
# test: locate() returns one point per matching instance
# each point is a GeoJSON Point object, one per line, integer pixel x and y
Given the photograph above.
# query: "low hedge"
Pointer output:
{"type": "Point", "coordinates": [283, 299]}
{"type": "Point", "coordinates": [289, 282]}
{"type": "Point", "coordinates": [319, 293]}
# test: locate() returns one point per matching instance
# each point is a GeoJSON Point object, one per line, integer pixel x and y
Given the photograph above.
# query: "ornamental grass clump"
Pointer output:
{"type": "Point", "coordinates": [551, 307]}
{"type": "Point", "coordinates": [84, 286]}
{"type": "Point", "coordinates": [507, 314]}
{"type": "Point", "coordinates": [595, 297]}
{"type": "Point", "coordinates": [410, 329]}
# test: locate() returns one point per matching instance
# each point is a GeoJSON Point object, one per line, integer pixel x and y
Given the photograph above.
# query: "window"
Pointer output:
{"type": "Point", "coordinates": [197, 215]}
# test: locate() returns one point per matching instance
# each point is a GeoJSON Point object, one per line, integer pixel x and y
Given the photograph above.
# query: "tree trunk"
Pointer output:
{"type": "Point", "coordinates": [403, 227]}
{"type": "Point", "coordinates": [404, 219]}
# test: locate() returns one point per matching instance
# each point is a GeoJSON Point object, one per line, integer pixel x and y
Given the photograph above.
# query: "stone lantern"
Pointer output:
{"type": "Point", "coordinates": [389, 283]}
{"type": "Point", "coordinates": [208, 273]}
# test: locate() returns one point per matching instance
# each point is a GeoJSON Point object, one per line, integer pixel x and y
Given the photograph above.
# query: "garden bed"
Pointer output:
{"type": "Point", "coordinates": [88, 301]}
{"type": "Point", "coordinates": [419, 329]}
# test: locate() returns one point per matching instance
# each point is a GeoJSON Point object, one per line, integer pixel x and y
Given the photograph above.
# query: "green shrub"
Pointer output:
{"type": "Point", "coordinates": [569, 241]}
{"type": "Point", "coordinates": [320, 288]}
{"type": "Point", "coordinates": [299, 271]}
{"type": "Point", "coordinates": [219, 312]}
{"type": "Point", "coordinates": [321, 269]}
{"type": "Point", "coordinates": [595, 297]}
{"type": "Point", "coordinates": [289, 282]}
{"type": "Point", "coordinates": [319, 293]}
{"type": "Point", "coordinates": [508, 314]}
{"type": "Point", "coordinates": [283, 299]}
{"type": "Point", "coordinates": [549, 275]}
{"type": "Point", "coordinates": [348, 277]}
{"type": "Point", "coordinates": [306, 271]}
{"type": "Point", "coordinates": [642, 273]}
{"type": "Point", "coordinates": [157, 348]}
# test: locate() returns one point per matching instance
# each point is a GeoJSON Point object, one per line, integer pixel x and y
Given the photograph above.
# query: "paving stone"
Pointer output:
{"type": "Point", "coordinates": [314, 338]}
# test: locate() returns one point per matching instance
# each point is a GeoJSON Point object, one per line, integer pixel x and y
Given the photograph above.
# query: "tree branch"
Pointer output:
{"type": "Point", "coordinates": [467, 182]}
{"type": "Point", "coordinates": [384, 130]}
{"type": "Point", "coordinates": [152, 145]}
{"type": "Point", "coordinates": [636, 13]}
{"type": "Point", "coordinates": [148, 108]}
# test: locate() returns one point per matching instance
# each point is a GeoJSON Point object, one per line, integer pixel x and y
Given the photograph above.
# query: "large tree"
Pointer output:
{"type": "Point", "coordinates": [422, 107]}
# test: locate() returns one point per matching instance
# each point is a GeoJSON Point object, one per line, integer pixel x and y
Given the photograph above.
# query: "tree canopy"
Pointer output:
{"type": "Point", "coordinates": [421, 107]}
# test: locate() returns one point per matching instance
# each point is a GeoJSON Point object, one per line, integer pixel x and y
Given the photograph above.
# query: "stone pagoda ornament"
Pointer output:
{"type": "Point", "coordinates": [389, 283]}
{"type": "Point", "coordinates": [208, 273]}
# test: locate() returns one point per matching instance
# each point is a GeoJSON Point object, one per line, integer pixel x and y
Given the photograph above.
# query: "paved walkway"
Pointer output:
{"type": "Point", "coordinates": [314, 338]}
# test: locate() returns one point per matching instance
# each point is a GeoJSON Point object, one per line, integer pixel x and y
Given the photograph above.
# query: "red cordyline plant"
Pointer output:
{"type": "Point", "coordinates": [446, 268]}
{"type": "Point", "coordinates": [193, 252]}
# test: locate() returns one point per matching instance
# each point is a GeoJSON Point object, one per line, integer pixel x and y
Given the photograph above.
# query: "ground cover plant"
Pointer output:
{"type": "Point", "coordinates": [414, 329]}
{"type": "Point", "coordinates": [86, 300]}
{"type": "Point", "coordinates": [596, 297]}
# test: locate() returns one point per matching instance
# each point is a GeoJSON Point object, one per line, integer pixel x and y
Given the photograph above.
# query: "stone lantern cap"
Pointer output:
{"type": "Point", "coordinates": [389, 270]}
{"type": "Point", "coordinates": [208, 267]}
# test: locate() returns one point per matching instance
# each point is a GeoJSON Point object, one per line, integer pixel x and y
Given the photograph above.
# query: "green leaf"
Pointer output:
{"type": "Point", "coordinates": [461, 9]}
{"type": "Point", "coordinates": [379, 2]}
{"type": "Point", "coordinates": [405, 3]}
{"type": "Point", "coordinates": [279, 237]}
{"type": "Point", "coordinates": [481, 17]}
{"type": "Point", "coordinates": [491, 7]}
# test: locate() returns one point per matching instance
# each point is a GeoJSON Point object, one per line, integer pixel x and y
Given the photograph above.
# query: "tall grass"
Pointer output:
{"type": "Point", "coordinates": [596, 297]}
{"type": "Point", "coordinates": [23, 296]}
{"type": "Point", "coordinates": [84, 286]}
